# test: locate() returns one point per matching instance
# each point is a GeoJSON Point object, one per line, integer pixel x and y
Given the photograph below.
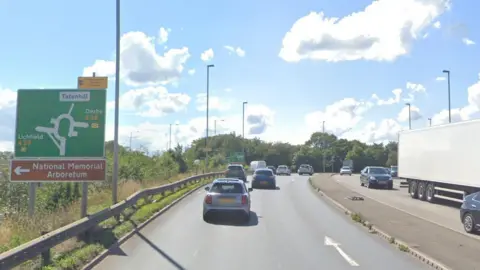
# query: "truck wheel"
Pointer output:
{"type": "Point", "coordinates": [430, 193]}
{"type": "Point", "coordinates": [468, 223]}
{"type": "Point", "coordinates": [413, 189]}
{"type": "Point", "coordinates": [421, 190]}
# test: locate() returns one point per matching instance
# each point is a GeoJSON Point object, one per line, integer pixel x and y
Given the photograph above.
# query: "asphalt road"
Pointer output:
{"type": "Point", "coordinates": [443, 215]}
{"type": "Point", "coordinates": [291, 228]}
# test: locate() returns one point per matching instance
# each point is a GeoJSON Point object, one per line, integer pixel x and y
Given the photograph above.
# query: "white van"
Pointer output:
{"type": "Point", "coordinates": [257, 164]}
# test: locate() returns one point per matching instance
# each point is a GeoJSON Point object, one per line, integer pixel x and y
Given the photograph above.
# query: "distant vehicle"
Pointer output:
{"type": "Point", "coordinates": [272, 168]}
{"type": "Point", "coordinates": [345, 170]}
{"type": "Point", "coordinates": [236, 171]}
{"type": "Point", "coordinates": [264, 178]}
{"type": "Point", "coordinates": [394, 171]}
{"type": "Point", "coordinates": [283, 170]}
{"type": "Point", "coordinates": [257, 164]}
{"type": "Point", "coordinates": [227, 196]}
{"type": "Point", "coordinates": [305, 169]}
{"type": "Point", "coordinates": [348, 163]}
{"type": "Point", "coordinates": [440, 162]}
{"type": "Point", "coordinates": [376, 177]}
{"type": "Point", "coordinates": [470, 213]}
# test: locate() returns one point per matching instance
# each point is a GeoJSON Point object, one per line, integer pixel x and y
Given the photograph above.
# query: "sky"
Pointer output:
{"type": "Point", "coordinates": [348, 66]}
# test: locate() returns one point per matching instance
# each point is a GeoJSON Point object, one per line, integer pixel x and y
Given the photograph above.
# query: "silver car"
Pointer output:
{"type": "Point", "coordinates": [283, 170]}
{"type": "Point", "coordinates": [305, 169]}
{"type": "Point", "coordinates": [227, 196]}
{"type": "Point", "coordinates": [345, 170]}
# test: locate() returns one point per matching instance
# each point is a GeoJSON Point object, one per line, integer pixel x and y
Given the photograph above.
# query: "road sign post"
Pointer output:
{"type": "Point", "coordinates": [93, 82]}
{"type": "Point", "coordinates": [63, 128]}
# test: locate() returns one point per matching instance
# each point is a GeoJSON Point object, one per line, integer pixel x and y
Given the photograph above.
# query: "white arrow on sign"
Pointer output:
{"type": "Point", "coordinates": [330, 242]}
{"type": "Point", "coordinates": [19, 170]}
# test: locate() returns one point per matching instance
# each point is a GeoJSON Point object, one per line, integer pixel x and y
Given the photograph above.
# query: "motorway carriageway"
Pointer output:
{"type": "Point", "coordinates": [290, 228]}
{"type": "Point", "coordinates": [442, 215]}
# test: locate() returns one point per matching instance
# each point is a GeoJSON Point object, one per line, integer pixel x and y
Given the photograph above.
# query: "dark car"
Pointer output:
{"type": "Point", "coordinates": [470, 212]}
{"type": "Point", "coordinates": [394, 171]}
{"type": "Point", "coordinates": [272, 168]}
{"type": "Point", "coordinates": [376, 177]}
{"type": "Point", "coordinates": [264, 178]}
{"type": "Point", "coordinates": [236, 171]}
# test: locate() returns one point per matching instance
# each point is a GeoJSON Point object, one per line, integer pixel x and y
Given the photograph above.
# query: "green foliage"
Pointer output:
{"type": "Point", "coordinates": [321, 150]}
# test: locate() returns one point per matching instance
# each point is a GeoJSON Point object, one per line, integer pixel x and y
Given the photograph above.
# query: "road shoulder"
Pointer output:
{"type": "Point", "coordinates": [450, 248]}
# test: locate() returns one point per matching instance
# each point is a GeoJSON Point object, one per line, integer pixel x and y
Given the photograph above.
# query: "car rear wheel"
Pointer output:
{"type": "Point", "coordinates": [468, 223]}
{"type": "Point", "coordinates": [206, 218]}
{"type": "Point", "coordinates": [246, 217]}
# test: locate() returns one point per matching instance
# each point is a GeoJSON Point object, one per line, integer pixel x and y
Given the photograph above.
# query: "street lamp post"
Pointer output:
{"type": "Point", "coordinates": [208, 97]}
{"type": "Point", "coordinates": [449, 105]}
{"type": "Point", "coordinates": [243, 128]}
{"type": "Point", "coordinates": [409, 115]}
{"type": "Point", "coordinates": [117, 101]}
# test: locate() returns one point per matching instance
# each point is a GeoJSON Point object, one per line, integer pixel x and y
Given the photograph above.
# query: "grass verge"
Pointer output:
{"type": "Point", "coordinates": [108, 232]}
{"type": "Point", "coordinates": [19, 229]}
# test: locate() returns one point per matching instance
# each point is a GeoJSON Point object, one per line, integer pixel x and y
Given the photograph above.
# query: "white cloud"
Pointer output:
{"type": "Point", "coordinates": [191, 71]}
{"type": "Point", "coordinates": [457, 114]}
{"type": "Point", "coordinates": [441, 78]}
{"type": "Point", "coordinates": [101, 68]}
{"type": "Point", "coordinates": [258, 118]}
{"type": "Point", "coordinates": [416, 87]}
{"type": "Point", "coordinates": [156, 136]}
{"type": "Point", "coordinates": [8, 98]}
{"type": "Point", "coordinates": [6, 146]}
{"type": "Point", "coordinates": [228, 90]}
{"type": "Point", "coordinates": [383, 31]}
{"type": "Point", "coordinates": [238, 51]}
{"type": "Point", "coordinates": [339, 116]}
{"type": "Point", "coordinates": [207, 55]}
{"type": "Point", "coordinates": [140, 62]}
{"type": "Point", "coordinates": [464, 113]}
{"type": "Point", "coordinates": [415, 114]}
{"type": "Point", "coordinates": [152, 101]}
{"type": "Point", "coordinates": [437, 25]}
{"type": "Point", "coordinates": [393, 100]}
{"type": "Point", "coordinates": [468, 42]}
{"type": "Point", "coordinates": [162, 35]}
{"type": "Point", "coordinates": [214, 103]}
{"type": "Point", "coordinates": [387, 130]}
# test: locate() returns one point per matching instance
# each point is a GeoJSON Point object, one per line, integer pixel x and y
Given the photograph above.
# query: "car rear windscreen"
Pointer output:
{"type": "Point", "coordinates": [235, 168]}
{"type": "Point", "coordinates": [264, 172]}
{"type": "Point", "coordinates": [282, 167]}
{"type": "Point", "coordinates": [227, 188]}
{"type": "Point", "coordinates": [378, 171]}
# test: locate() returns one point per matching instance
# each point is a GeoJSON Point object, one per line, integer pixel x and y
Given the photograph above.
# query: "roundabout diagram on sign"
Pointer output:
{"type": "Point", "coordinates": [52, 132]}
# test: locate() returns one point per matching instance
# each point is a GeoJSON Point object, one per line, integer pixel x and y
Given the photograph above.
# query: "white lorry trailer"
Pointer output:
{"type": "Point", "coordinates": [440, 162]}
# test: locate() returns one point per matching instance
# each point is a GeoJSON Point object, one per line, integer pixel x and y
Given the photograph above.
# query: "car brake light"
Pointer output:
{"type": "Point", "coordinates": [208, 199]}
{"type": "Point", "coordinates": [244, 199]}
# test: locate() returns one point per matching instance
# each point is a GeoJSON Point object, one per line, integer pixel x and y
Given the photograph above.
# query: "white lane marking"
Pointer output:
{"type": "Point", "coordinates": [195, 253]}
{"type": "Point", "coordinates": [329, 242]}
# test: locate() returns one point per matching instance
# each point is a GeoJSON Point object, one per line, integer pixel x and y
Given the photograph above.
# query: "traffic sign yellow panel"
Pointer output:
{"type": "Point", "coordinates": [92, 82]}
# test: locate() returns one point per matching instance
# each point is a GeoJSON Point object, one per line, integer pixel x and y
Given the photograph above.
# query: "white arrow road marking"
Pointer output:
{"type": "Point", "coordinates": [19, 170]}
{"type": "Point", "coordinates": [329, 242]}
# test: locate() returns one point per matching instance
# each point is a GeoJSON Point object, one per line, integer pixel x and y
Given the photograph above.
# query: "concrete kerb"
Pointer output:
{"type": "Point", "coordinates": [124, 238]}
{"type": "Point", "coordinates": [375, 230]}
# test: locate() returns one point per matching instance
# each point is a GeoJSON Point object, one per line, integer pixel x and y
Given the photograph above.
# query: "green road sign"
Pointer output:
{"type": "Point", "coordinates": [236, 157]}
{"type": "Point", "coordinates": [62, 123]}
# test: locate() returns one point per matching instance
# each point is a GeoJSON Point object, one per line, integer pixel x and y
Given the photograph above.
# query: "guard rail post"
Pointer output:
{"type": "Point", "coordinates": [46, 255]}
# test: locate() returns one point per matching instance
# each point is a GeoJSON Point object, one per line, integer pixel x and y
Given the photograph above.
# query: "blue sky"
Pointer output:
{"type": "Point", "coordinates": [49, 43]}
